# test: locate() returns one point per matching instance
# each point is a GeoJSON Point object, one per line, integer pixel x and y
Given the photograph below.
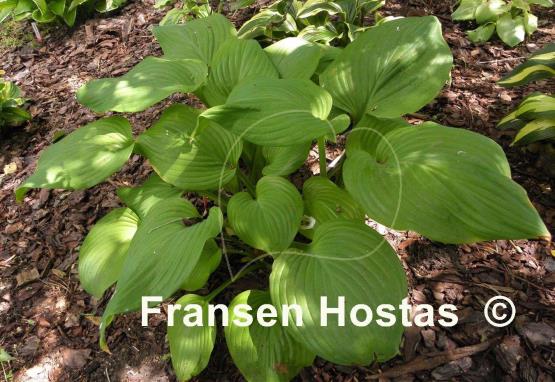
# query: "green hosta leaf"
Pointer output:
{"type": "Point", "coordinates": [190, 346]}
{"type": "Point", "coordinates": [197, 39]}
{"type": "Point", "coordinates": [148, 83]}
{"type": "Point", "coordinates": [537, 130]}
{"type": "Point", "coordinates": [271, 221]}
{"type": "Point", "coordinates": [451, 185]}
{"type": "Point", "coordinates": [539, 66]}
{"type": "Point", "coordinates": [208, 262]}
{"type": "Point", "coordinates": [275, 112]}
{"type": "Point", "coordinates": [371, 77]}
{"type": "Point", "coordinates": [313, 7]}
{"type": "Point", "coordinates": [295, 57]}
{"type": "Point", "coordinates": [259, 23]}
{"type": "Point", "coordinates": [490, 10]}
{"type": "Point", "coordinates": [535, 106]}
{"type": "Point", "coordinates": [530, 23]}
{"type": "Point", "coordinates": [141, 199]}
{"type": "Point", "coordinates": [57, 7]}
{"type": "Point", "coordinates": [84, 158]}
{"type": "Point", "coordinates": [261, 353]}
{"type": "Point", "coordinates": [511, 30]}
{"type": "Point", "coordinates": [348, 259]}
{"type": "Point", "coordinates": [104, 250]}
{"type": "Point", "coordinates": [325, 201]}
{"type": "Point", "coordinates": [481, 34]}
{"type": "Point", "coordinates": [466, 10]}
{"type": "Point", "coordinates": [235, 62]}
{"type": "Point", "coordinates": [162, 256]}
{"type": "Point", "coordinates": [370, 131]}
{"type": "Point", "coordinates": [322, 33]}
{"type": "Point", "coordinates": [190, 157]}
{"type": "Point", "coordinates": [284, 160]}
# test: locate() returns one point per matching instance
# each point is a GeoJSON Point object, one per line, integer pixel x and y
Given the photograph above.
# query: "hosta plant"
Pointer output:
{"type": "Point", "coordinates": [535, 116]}
{"type": "Point", "coordinates": [323, 21]}
{"type": "Point", "coordinates": [264, 109]}
{"type": "Point", "coordinates": [512, 20]}
{"type": "Point", "coordinates": [47, 11]}
{"type": "Point", "coordinates": [190, 9]}
{"type": "Point", "coordinates": [12, 112]}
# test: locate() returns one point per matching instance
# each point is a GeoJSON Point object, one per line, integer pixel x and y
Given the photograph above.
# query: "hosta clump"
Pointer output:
{"type": "Point", "coordinates": [535, 116]}
{"type": "Point", "coordinates": [12, 112]}
{"type": "Point", "coordinates": [512, 20]}
{"type": "Point", "coordinates": [265, 108]}
{"type": "Point", "coordinates": [322, 21]}
{"type": "Point", "coordinates": [47, 11]}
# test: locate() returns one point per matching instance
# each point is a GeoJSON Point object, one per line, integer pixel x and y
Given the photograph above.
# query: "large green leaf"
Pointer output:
{"type": "Point", "coordinates": [190, 346]}
{"type": "Point", "coordinates": [368, 133]}
{"type": "Point", "coordinates": [451, 185]}
{"type": "Point", "coordinates": [390, 70]}
{"type": "Point", "coordinates": [236, 61]}
{"type": "Point", "coordinates": [207, 263]}
{"type": "Point", "coordinates": [271, 221]}
{"type": "Point", "coordinates": [141, 199]}
{"type": "Point", "coordinates": [190, 156]}
{"type": "Point", "coordinates": [284, 160]}
{"type": "Point", "coordinates": [511, 30]}
{"type": "Point", "coordinates": [466, 10]}
{"type": "Point", "coordinates": [325, 201]}
{"type": "Point", "coordinates": [197, 39]}
{"type": "Point", "coordinates": [162, 255]}
{"type": "Point", "coordinates": [539, 66]}
{"type": "Point", "coordinates": [351, 260]}
{"type": "Point", "coordinates": [313, 7]}
{"type": "Point", "coordinates": [275, 112]}
{"type": "Point", "coordinates": [481, 34]}
{"type": "Point", "coordinates": [262, 353]}
{"type": "Point", "coordinates": [295, 57]}
{"type": "Point", "coordinates": [103, 252]}
{"type": "Point", "coordinates": [490, 10]}
{"type": "Point", "coordinates": [84, 158]}
{"type": "Point", "coordinates": [148, 83]}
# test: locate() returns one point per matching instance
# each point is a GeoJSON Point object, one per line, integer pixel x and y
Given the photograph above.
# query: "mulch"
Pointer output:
{"type": "Point", "coordinates": [49, 324]}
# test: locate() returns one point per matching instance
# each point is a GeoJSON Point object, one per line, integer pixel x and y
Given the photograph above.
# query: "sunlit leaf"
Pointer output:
{"type": "Point", "coordinates": [295, 57]}
{"type": "Point", "coordinates": [190, 156]}
{"type": "Point", "coordinates": [190, 346]}
{"type": "Point", "coordinates": [275, 112]}
{"type": "Point", "coordinates": [148, 83]}
{"type": "Point", "coordinates": [263, 353]}
{"type": "Point", "coordinates": [511, 30]}
{"type": "Point", "coordinates": [538, 66]}
{"type": "Point", "coordinates": [270, 221]}
{"type": "Point", "coordinates": [451, 185]}
{"type": "Point", "coordinates": [390, 70]}
{"type": "Point", "coordinates": [351, 260]}
{"type": "Point", "coordinates": [104, 250]}
{"type": "Point", "coordinates": [197, 39]}
{"type": "Point", "coordinates": [83, 158]}
{"type": "Point", "coordinates": [162, 255]}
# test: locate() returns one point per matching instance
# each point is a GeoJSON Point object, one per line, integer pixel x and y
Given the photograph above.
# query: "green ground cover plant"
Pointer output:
{"type": "Point", "coordinates": [322, 21]}
{"type": "Point", "coordinates": [512, 20]}
{"type": "Point", "coordinates": [48, 11]}
{"type": "Point", "coordinates": [535, 116]}
{"type": "Point", "coordinates": [12, 112]}
{"type": "Point", "coordinates": [264, 109]}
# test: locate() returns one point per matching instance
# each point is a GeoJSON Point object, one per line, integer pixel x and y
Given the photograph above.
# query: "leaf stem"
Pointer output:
{"type": "Point", "coordinates": [322, 156]}
{"type": "Point", "coordinates": [224, 285]}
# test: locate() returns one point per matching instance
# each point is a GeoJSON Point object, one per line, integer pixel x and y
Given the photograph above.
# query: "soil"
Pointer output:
{"type": "Point", "coordinates": [49, 324]}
